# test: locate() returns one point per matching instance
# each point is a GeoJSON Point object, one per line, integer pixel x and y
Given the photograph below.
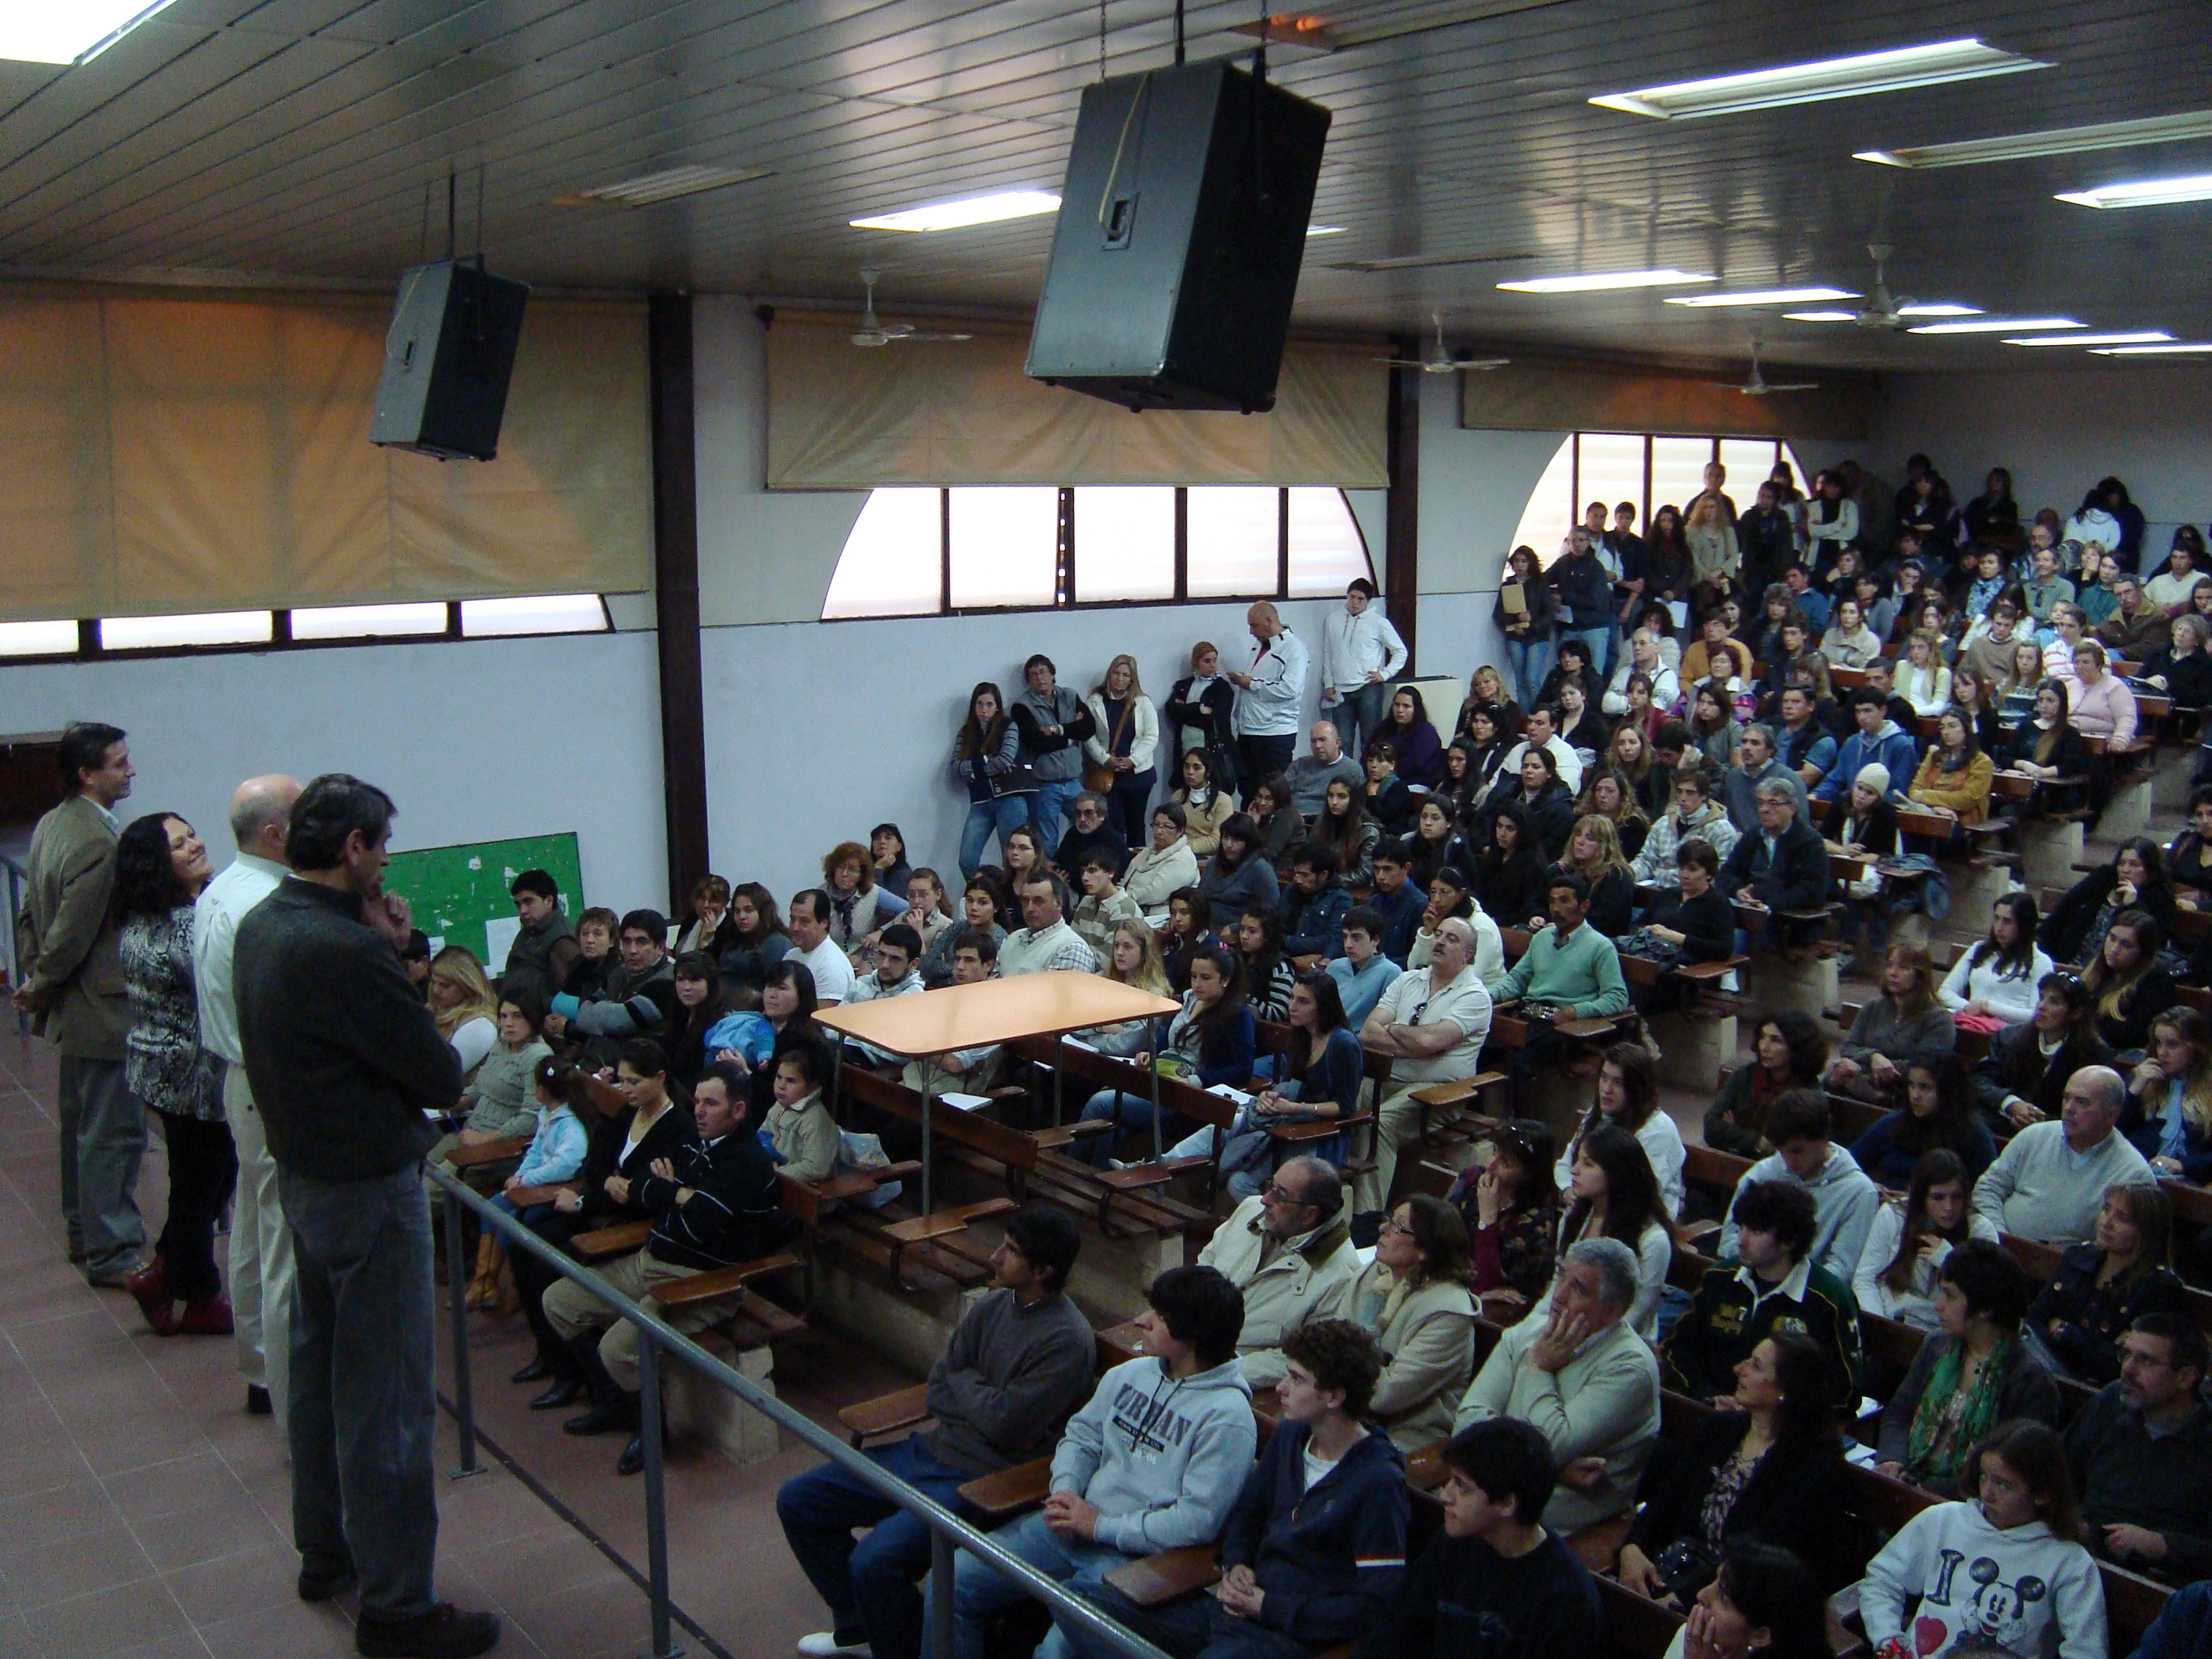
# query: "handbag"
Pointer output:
{"type": "Point", "coordinates": [1099, 780]}
{"type": "Point", "coordinates": [1685, 1567]}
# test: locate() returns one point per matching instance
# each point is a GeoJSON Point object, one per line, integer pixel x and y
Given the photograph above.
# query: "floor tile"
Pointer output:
{"type": "Point", "coordinates": [212, 1592]}
{"type": "Point", "coordinates": [67, 1567]}
{"type": "Point", "coordinates": [110, 1621]}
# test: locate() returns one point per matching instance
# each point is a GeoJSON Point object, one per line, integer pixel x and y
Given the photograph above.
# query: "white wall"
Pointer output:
{"type": "Point", "coordinates": [476, 741]}
{"type": "Point", "coordinates": [2059, 431]}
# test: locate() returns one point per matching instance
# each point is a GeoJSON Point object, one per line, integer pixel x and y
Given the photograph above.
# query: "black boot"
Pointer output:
{"type": "Point", "coordinates": [612, 1410]}
{"type": "Point", "coordinates": [633, 1454]}
{"type": "Point", "coordinates": [545, 1363]}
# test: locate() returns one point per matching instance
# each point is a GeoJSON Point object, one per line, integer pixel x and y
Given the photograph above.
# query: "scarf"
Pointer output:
{"type": "Point", "coordinates": [1929, 1452]}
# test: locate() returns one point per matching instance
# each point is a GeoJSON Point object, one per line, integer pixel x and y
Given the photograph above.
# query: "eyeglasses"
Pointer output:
{"type": "Point", "coordinates": [1275, 1192]}
{"type": "Point", "coordinates": [1390, 1225]}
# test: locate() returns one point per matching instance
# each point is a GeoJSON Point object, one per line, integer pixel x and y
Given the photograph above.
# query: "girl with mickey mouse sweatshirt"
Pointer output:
{"type": "Point", "coordinates": [1999, 1574]}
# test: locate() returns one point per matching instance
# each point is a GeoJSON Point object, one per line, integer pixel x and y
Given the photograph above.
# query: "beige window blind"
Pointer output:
{"type": "Point", "coordinates": [185, 453]}
{"type": "Point", "coordinates": [931, 412]}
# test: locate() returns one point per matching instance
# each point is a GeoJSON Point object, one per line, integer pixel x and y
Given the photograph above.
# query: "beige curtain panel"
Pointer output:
{"type": "Point", "coordinates": [1536, 397]}
{"type": "Point", "coordinates": [181, 454]}
{"type": "Point", "coordinates": [962, 412]}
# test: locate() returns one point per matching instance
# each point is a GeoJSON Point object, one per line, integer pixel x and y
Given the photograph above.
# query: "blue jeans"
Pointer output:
{"type": "Point", "coordinates": [1048, 817]}
{"type": "Point", "coordinates": [979, 1593]}
{"type": "Point", "coordinates": [363, 1399]}
{"type": "Point", "coordinates": [1358, 715]}
{"type": "Point", "coordinates": [1186, 1627]}
{"type": "Point", "coordinates": [1129, 1112]}
{"type": "Point", "coordinates": [872, 1586]}
{"type": "Point", "coordinates": [1004, 815]}
{"type": "Point", "coordinates": [1528, 661]}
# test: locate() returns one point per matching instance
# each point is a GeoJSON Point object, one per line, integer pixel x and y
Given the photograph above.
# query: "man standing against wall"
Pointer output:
{"type": "Point", "coordinates": [1360, 654]}
{"type": "Point", "coordinates": [344, 1062]}
{"type": "Point", "coordinates": [1269, 697]}
{"type": "Point", "coordinates": [67, 949]}
{"type": "Point", "coordinates": [261, 1243]}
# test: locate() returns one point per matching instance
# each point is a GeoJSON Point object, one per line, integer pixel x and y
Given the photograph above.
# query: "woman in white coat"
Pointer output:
{"type": "Point", "coordinates": [1127, 736]}
{"type": "Point", "coordinates": [1165, 867]}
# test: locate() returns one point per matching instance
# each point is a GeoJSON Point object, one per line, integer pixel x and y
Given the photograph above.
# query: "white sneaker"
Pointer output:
{"type": "Point", "coordinates": [822, 1645]}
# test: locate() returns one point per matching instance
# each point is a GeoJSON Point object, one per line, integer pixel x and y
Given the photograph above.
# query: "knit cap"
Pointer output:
{"type": "Point", "coordinates": [1875, 776]}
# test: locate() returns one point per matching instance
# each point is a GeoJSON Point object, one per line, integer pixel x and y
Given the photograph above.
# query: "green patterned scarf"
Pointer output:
{"type": "Point", "coordinates": [1930, 1454]}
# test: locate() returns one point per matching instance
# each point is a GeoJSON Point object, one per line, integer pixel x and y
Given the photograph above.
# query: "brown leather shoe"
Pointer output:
{"type": "Point", "coordinates": [209, 1317]}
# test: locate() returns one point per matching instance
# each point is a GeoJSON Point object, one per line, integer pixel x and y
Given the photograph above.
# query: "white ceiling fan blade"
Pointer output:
{"type": "Point", "coordinates": [1482, 365]}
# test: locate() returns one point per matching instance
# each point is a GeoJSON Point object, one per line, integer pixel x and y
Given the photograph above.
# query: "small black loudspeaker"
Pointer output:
{"type": "Point", "coordinates": [446, 361]}
{"type": "Point", "coordinates": [1175, 255]}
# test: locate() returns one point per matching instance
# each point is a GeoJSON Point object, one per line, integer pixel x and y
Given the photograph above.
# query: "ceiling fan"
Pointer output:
{"type": "Point", "coordinates": [1758, 386]}
{"type": "Point", "coordinates": [1437, 357]}
{"type": "Point", "coordinates": [874, 333]}
{"type": "Point", "coordinates": [1882, 309]}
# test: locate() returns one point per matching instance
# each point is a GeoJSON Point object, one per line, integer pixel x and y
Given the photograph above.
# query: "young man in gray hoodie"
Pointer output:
{"type": "Point", "coordinates": [1845, 1198]}
{"type": "Point", "coordinates": [1153, 1463]}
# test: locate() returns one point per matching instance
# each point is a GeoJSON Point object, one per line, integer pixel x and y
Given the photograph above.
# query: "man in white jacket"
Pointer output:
{"type": "Point", "coordinates": [1153, 1463]}
{"type": "Point", "coordinates": [1289, 1250]}
{"type": "Point", "coordinates": [1360, 654]}
{"type": "Point", "coordinates": [1269, 695]}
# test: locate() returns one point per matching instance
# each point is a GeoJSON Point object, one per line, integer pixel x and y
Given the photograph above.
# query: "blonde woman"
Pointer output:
{"type": "Point", "coordinates": [1711, 541]}
{"type": "Point", "coordinates": [1127, 736]}
{"type": "Point", "coordinates": [1487, 685]}
{"type": "Point", "coordinates": [1593, 852]}
{"type": "Point", "coordinates": [1132, 958]}
{"type": "Point", "coordinates": [465, 1005]}
{"type": "Point", "coordinates": [1922, 679]}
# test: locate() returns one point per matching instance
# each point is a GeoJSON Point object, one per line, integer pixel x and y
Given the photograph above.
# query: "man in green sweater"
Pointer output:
{"type": "Point", "coordinates": [1569, 971]}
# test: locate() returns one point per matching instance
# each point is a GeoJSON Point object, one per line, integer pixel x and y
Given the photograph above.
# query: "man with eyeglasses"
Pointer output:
{"type": "Point", "coordinates": [1433, 1023]}
{"type": "Point", "coordinates": [2142, 1453]}
{"type": "Point", "coordinates": [1289, 1249]}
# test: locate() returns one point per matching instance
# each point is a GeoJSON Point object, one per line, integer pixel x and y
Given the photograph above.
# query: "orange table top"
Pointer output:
{"type": "Point", "coordinates": [997, 1011]}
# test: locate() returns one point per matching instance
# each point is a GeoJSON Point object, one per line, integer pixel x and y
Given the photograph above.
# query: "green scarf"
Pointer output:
{"type": "Point", "coordinates": [1930, 1456]}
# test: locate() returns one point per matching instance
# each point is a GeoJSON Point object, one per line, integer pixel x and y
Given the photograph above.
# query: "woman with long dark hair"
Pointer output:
{"type": "Point", "coordinates": [700, 1002]}
{"type": "Point", "coordinates": [1529, 624]}
{"type": "Point", "coordinates": [786, 1017]}
{"type": "Point", "coordinates": [1236, 878]}
{"type": "Point", "coordinates": [1420, 752]}
{"type": "Point", "coordinates": [1269, 976]}
{"type": "Point", "coordinates": [1343, 830]}
{"type": "Point", "coordinates": [1612, 1193]}
{"type": "Point", "coordinates": [1316, 1078]}
{"type": "Point", "coordinates": [1538, 791]}
{"type": "Point", "coordinates": [160, 868]}
{"type": "Point", "coordinates": [2169, 1112]}
{"type": "Point", "coordinates": [2107, 1282]}
{"type": "Point", "coordinates": [1788, 1051]}
{"type": "Point", "coordinates": [1508, 872]}
{"type": "Point", "coordinates": [1434, 843]}
{"type": "Point", "coordinates": [1904, 1024]}
{"type": "Point", "coordinates": [1763, 1602]}
{"type": "Point", "coordinates": [1767, 1465]}
{"type": "Point", "coordinates": [757, 938]}
{"type": "Point", "coordinates": [2022, 1078]}
{"type": "Point", "coordinates": [987, 763]}
{"type": "Point", "coordinates": [1912, 1237]}
{"type": "Point", "coordinates": [2126, 987]}
{"type": "Point", "coordinates": [1938, 1111]}
{"type": "Point", "coordinates": [1993, 985]}
{"type": "Point", "coordinates": [1213, 1040]}
{"type": "Point", "coordinates": [1626, 1095]}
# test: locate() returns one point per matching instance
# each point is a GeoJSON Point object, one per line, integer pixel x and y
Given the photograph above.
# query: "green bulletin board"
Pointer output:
{"type": "Point", "coordinates": [459, 893]}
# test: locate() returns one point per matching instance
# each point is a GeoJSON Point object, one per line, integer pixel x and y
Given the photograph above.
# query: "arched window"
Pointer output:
{"type": "Point", "coordinates": [926, 551]}
{"type": "Point", "coordinates": [1650, 472]}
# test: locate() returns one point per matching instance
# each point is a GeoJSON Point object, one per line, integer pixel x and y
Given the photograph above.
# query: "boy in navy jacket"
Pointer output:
{"type": "Point", "coordinates": [1315, 1550]}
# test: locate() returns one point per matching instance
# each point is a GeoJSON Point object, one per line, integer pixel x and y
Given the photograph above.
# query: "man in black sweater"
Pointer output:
{"type": "Point", "coordinates": [714, 1204]}
{"type": "Point", "coordinates": [2142, 1452]}
{"type": "Point", "coordinates": [344, 1060]}
{"type": "Point", "coordinates": [1782, 863]}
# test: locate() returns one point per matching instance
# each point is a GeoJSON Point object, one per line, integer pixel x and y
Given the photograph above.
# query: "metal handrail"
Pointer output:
{"type": "Point", "coordinates": [947, 1530]}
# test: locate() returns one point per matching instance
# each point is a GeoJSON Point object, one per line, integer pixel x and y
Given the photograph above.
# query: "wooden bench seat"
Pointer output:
{"type": "Point", "coordinates": [937, 1224]}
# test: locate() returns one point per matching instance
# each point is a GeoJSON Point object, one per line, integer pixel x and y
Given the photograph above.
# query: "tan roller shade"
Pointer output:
{"type": "Point", "coordinates": [176, 453]}
{"type": "Point", "coordinates": [929, 412]}
{"type": "Point", "coordinates": [1537, 396]}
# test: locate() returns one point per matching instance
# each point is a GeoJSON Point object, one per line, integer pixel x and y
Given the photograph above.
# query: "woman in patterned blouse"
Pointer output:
{"type": "Point", "coordinates": [1512, 1213]}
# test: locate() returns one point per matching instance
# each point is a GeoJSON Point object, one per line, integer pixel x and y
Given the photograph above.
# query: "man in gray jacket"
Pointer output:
{"type": "Point", "coordinates": [1017, 1367]}
{"type": "Point", "coordinates": [67, 945]}
{"type": "Point", "coordinates": [1153, 1463]}
{"type": "Point", "coordinates": [1288, 1251]}
{"type": "Point", "coordinates": [1054, 722]}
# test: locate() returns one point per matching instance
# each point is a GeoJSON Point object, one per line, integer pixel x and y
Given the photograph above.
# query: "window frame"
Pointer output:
{"type": "Point", "coordinates": [90, 649]}
{"type": "Point", "coordinates": [1573, 443]}
{"type": "Point", "coordinates": [1064, 596]}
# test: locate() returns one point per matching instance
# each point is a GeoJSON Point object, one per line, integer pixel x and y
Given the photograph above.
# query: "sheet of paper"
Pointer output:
{"type": "Point", "coordinates": [962, 1103]}
{"type": "Point", "coordinates": [499, 938]}
{"type": "Point", "coordinates": [1227, 1093]}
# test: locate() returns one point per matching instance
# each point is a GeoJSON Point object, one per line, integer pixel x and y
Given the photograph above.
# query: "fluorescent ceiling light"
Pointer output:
{"type": "Point", "coordinates": [2147, 192]}
{"type": "Point", "coordinates": [1604, 281]}
{"type": "Point", "coordinates": [2090, 339]}
{"type": "Point", "coordinates": [2000, 325]}
{"type": "Point", "coordinates": [2194, 347]}
{"type": "Point", "coordinates": [1812, 83]}
{"type": "Point", "coordinates": [1324, 230]}
{"type": "Point", "coordinates": [75, 32]}
{"type": "Point", "coordinates": [1821, 316]}
{"type": "Point", "coordinates": [2053, 141]}
{"type": "Point", "coordinates": [1939, 311]}
{"type": "Point", "coordinates": [1772, 296]}
{"type": "Point", "coordinates": [971, 210]}
{"type": "Point", "coordinates": [671, 182]}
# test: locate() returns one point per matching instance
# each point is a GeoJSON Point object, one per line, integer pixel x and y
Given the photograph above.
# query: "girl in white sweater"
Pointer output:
{"type": "Point", "coordinates": [1998, 1573]}
{"type": "Point", "coordinates": [1993, 985]}
{"type": "Point", "coordinates": [1912, 1237]}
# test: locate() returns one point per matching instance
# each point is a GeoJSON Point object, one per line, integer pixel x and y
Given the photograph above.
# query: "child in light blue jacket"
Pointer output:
{"type": "Point", "coordinates": [556, 1151]}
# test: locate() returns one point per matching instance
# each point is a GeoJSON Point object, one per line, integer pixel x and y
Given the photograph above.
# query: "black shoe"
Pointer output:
{"type": "Point", "coordinates": [325, 1584]}
{"type": "Point", "coordinates": [539, 1368]}
{"type": "Point", "coordinates": [565, 1391]}
{"type": "Point", "coordinates": [257, 1403]}
{"type": "Point", "coordinates": [611, 1417]}
{"type": "Point", "coordinates": [633, 1456]}
{"type": "Point", "coordinates": [444, 1633]}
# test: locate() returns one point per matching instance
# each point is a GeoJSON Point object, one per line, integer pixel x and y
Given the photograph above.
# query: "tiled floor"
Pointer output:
{"type": "Point", "coordinates": [143, 1513]}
